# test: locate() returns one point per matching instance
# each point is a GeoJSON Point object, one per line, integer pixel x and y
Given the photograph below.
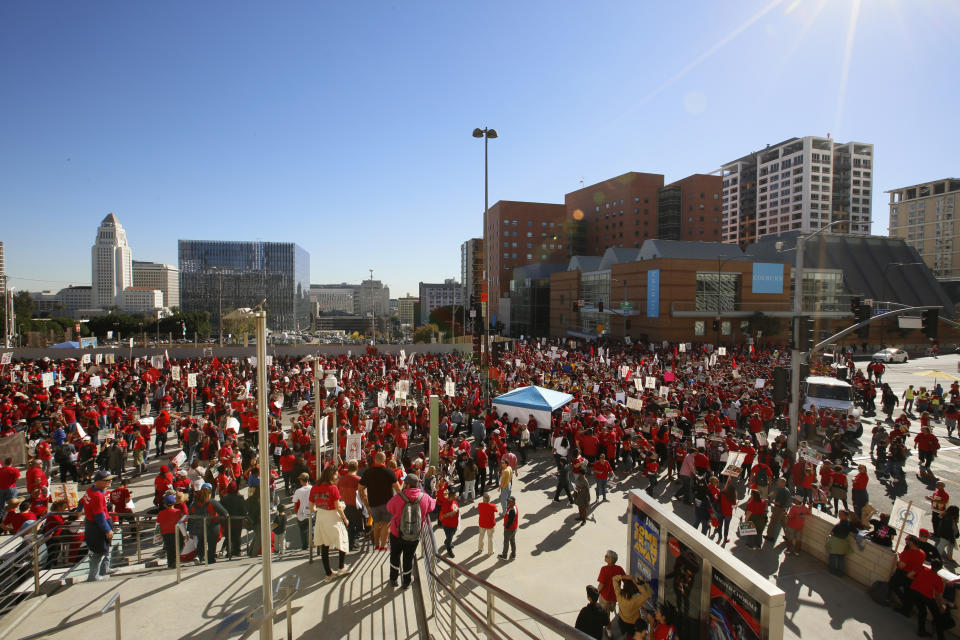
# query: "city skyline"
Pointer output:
{"type": "Point", "coordinates": [359, 149]}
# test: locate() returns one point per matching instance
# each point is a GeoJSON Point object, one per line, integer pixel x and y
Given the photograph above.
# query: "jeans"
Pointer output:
{"type": "Point", "coordinates": [99, 565]}
{"type": "Point", "coordinates": [601, 489]}
{"type": "Point", "coordinates": [702, 519]}
{"type": "Point", "coordinates": [448, 533]}
{"type": "Point", "coordinates": [684, 488]}
{"type": "Point", "coordinates": [504, 497]}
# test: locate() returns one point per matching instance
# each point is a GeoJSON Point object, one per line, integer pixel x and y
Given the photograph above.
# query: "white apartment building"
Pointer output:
{"type": "Point", "coordinates": [140, 300]}
{"type": "Point", "coordinates": [162, 277]}
{"type": "Point", "coordinates": [112, 263]}
{"type": "Point", "coordinates": [325, 298]}
{"type": "Point", "coordinates": [433, 295]}
{"type": "Point", "coordinates": [799, 184]}
{"type": "Point", "coordinates": [925, 216]}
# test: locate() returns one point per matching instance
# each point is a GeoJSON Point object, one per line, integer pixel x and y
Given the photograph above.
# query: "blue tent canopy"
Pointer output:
{"type": "Point", "coordinates": [66, 345]}
{"type": "Point", "coordinates": [534, 398]}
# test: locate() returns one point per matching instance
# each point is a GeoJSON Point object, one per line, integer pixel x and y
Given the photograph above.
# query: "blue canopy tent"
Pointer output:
{"type": "Point", "coordinates": [523, 401]}
{"type": "Point", "coordinates": [66, 345]}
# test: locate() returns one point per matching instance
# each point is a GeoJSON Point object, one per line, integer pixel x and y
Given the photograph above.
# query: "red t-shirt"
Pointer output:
{"type": "Point", "coordinates": [488, 514]}
{"type": "Point", "coordinates": [607, 573]}
{"type": "Point", "coordinates": [912, 559]}
{"type": "Point", "coordinates": [8, 477]}
{"type": "Point", "coordinates": [168, 519]}
{"type": "Point", "coordinates": [325, 496]}
{"type": "Point", "coordinates": [927, 583]}
{"type": "Point", "coordinates": [347, 485]}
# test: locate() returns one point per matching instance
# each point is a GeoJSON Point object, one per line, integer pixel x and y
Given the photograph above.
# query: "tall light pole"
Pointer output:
{"type": "Point", "coordinates": [795, 354]}
{"type": "Point", "coordinates": [263, 446]}
{"type": "Point", "coordinates": [219, 272]}
{"type": "Point", "coordinates": [486, 134]}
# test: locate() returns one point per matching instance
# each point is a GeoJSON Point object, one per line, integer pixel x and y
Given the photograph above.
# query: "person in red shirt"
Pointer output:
{"type": "Point", "coordinates": [609, 571]}
{"type": "Point", "coordinates": [511, 521]}
{"type": "Point", "coordinates": [601, 471]}
{"type": "Point", "coordinates": [859, 493]}
{"type": "Point", "coordinates": [9, 475]}
{"type": "Point", "coordinates": [926, 593]}
{"type": "Point", "coordinates": [908, 564]}
{"type": "Point", "coordinates": [98, 529]}
{"type": "Point", "coordinates": [331, 527]}
{"type": "Point", "coordinates": [488, 520]}
{"type": "Point", "coordinates": [449, 519]}
{"type": "Point", "coordinates": [36, 478]}
{"type": "Point", "coordinates": [927, 446]}
{"type": "Point", "coordinates": [348, 485]}
{"type": "Point", "coordinates": [168, 517]}
{"type": "Point", "coordinates": [45, 455]}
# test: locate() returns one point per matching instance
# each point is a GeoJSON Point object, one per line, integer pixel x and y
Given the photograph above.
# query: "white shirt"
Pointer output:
{"type": "Point", "coordinates": [301, 497]}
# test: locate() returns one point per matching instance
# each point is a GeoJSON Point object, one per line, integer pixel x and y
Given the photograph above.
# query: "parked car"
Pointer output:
{"type": "Point", "coordinates": [890, 355]}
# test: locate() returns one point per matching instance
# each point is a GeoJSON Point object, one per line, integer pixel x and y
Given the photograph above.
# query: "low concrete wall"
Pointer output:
{"type": "Point", "coordinates": [871, 564]}
{"type": "Point", "coordinates": [182, 352]}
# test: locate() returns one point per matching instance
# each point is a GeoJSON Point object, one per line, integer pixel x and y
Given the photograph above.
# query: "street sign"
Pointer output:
{"type": "Point", "coordinates": [868, 302]}
{"type": "Point", "coordinates": [626, 306]}
{"type": "Point", "coordinates": [473, 313]}
{"type": "Point", "coordinates": [580, 302]}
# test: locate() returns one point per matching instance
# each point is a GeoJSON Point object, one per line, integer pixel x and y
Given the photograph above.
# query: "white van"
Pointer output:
{"type": "Point", "coordinates": [822, 392]}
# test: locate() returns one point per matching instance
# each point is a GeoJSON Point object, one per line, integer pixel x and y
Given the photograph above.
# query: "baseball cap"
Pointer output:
{"type": "Point", "coordinates": [102, 475]}
{"type": "Point", "coordinates": [168, 500]}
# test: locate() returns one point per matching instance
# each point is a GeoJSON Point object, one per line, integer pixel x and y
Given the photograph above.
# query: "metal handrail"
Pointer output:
{"type": "Point", "coordinates": [286, 602]}
{"type": "Point", "coordinates": [114, 600]}
{"type": "Point", "coordinates": [562, 629]}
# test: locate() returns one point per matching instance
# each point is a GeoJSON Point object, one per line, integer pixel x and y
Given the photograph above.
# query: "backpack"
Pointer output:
{"type": "Point", "coordinates": [411, 520]}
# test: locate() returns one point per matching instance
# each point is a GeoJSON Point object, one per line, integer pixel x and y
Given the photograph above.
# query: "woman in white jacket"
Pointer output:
{"type": "Point", "coordinates": [330, 530]}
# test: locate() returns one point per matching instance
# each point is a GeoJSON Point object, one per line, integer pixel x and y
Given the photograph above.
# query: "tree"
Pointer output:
{"type": "Point", "coordinates": [449, 318]}
{"type": "Point", "coordinates": [766, 325]}
{"type": "Point", "coordinates": [425, 333]}
{"type": "Point", "coordinates": [238, 326]}
{"type": "Point", "coordinates": [23, 304]}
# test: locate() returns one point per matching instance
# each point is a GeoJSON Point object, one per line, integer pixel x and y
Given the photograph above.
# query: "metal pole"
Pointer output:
{"type": "Point", "coordinates": [266, 630]}
{"type": "Point", "coordinates": [290, 617]}
{"type": "Point", "coordinates": [176, 548]}
{"type": "Point", "coordinates": [453, 604]}
{"type": "Point", "coordinates": [316, 413]}
{"type": "Point", "coordinates": [206, 541]}
{"type": "Point", "coordinates": [434, 430]}
{"type": "Point", "coordinates": [116, 607]}
{"type": "Point", "coordinates": [137, 525]}
{"type": "Point", "coordinates": [310, 537]}
{"type": "Point", "coordinates": [36, 561]}
{"type": "Point", "coordinates": [792, 436]}
{"type": "Point", "coordinates": [230, 538]}
{"type": "Point", "coordinates": [485, 352]}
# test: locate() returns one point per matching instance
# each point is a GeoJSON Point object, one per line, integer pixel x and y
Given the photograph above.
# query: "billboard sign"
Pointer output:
{"type": "Point", "coordinates": [767, 277]}
{"type": "Point", "coordinates": [645, 550]}
{"type": "Point", "coordinates": [653, 293]}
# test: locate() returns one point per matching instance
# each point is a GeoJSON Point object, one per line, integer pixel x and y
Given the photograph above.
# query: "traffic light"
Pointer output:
{"type": "Point", "coordinates": [600, 306]}
{"type": "Point", "coordinates": [716, 324]}
{"type": "Point", "coordinates": [803, 333]}
{"type": "Point", "coordinates": [931, 322]}
{"type": "Point", "coordinates": [781, 384]}
{"type": "Point", "coordinates": [863, 314]}
{"type": "Point", "coordinates": [855, 306]}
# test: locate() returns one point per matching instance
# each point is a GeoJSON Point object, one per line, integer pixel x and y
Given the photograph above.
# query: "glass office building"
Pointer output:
{"type": "Point", "coordinates": [225, 275]}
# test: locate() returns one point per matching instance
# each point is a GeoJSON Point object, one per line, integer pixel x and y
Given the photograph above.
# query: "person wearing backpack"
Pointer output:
{"type": "Point", "coordinates": [409, 510]}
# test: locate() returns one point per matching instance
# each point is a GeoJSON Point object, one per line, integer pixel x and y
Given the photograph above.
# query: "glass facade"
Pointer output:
{"type": "Point", "coordinates": [224, 274]}
{"type": "Point", "coordinates": [717, 291]}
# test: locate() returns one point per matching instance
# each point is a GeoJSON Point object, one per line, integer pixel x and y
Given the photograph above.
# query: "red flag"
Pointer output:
{"type": "Point", "coordinates": [734, 360]}
{"type": "Point", "coordinates": [151, 375]}
{"type": "Point", "coordinates": [216, 363]}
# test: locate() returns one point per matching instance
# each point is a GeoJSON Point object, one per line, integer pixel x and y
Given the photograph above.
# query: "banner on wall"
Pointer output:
{"type": "Point", "coordinates": [733, 613]}
{"type": "Point", "coordinates": [645, 550]}
{"type": "Point", "coordinates": [767, 277]}
{"type": "Point", "coordinates": [653, 293]}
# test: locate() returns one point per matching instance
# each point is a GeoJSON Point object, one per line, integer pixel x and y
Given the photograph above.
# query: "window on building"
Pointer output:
{"type": "Point", "coordinates": [698, 327]}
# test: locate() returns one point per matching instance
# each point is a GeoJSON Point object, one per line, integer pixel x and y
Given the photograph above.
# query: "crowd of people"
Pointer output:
{"type": "Point", "coordinates": [699, 417]}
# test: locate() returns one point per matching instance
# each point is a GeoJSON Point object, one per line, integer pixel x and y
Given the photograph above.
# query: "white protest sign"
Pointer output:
{"type": "Point", "coordinates": [382, 399]}
{"type": "Point", "coordinates": [634, 403]}
{"type": "Point", "coordinates": [85, 358]}
{"type": "Point", "coordinates": [734, 465]}
{"type": "Point", "coordinates": [98, 358]}
{"type": "Point", "coordinates": [682, 348]}
{"type": "Point", "coordinates": [180, 458]}
{"type": "Point", "coordinates": [95, 382]}
{"type": "Point", "coordinates": [175, 373]}
{"type": "Point", "coordinates": [664, 391]}
{"type": "Point", "coordinates": [722, 351]}
{"type": "Point", "coordinates": [6, 357]}
{"type": "Point", "coordinates": [191, 380]}
{"type": "Point", "coordinates": [450, 388]}
{"type": "Point", "coordinates": [638, 383]}
{"type": "Point", "coordinates": [108, 358]}
{"type": "Point", "coordinates": [907, 515]}
{"type": "Point", "coordinates": [354, 447]}
{"type": "Point", "coordinates": [651, 382]}
{"type": "Point", "coordinates": [621, 397]}
{"type": "Point", "coordinates": [46, 379]}
{"type": "Point", "coordinates": [156, 362]}
{"type": "Point", "coordinates": [759, 383]}
{"type": "Point", "coordinates": [322, 432]}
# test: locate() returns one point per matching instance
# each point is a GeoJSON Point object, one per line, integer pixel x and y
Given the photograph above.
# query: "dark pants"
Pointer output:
{"type": "Point", "coordinates": [325, 558]}
{"type": "Point", "coordinates": [161, 443]}
{"type": "Point", "coordinates": [481, 479]}
{"type": "Point", "coordinates": [210, 544]}
{"type": "Point", "coordinates": [354, 524]}
{"type": "Point", "coordinates": [448, 533]}
{"type": "Point", "coordinates": [170, 547]}
{"type": "Point", "coordinates": [402, 551]}
{"type": "Point", "coordinates": [510, 541]}
{"type": "Point", "coordinates": [304, 526]}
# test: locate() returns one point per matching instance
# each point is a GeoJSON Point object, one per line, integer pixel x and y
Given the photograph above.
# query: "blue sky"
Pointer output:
{"type": "Point", "coordinates": [346, 126]}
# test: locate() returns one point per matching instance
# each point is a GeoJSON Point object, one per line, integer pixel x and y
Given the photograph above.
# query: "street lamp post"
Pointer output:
{"type": "Point", "coordinates": [486, 134]}
{"type": "Point", "coordinates": [795, 354]}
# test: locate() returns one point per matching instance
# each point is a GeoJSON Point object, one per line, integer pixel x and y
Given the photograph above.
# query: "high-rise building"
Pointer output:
{"type": "Point", "coordinates": [925, 216]}
{"type": "Point", "coordinates": [330, 298]}
{"type": "Point", "coordinates": [405, 309]}
{"type": "Point", "coordinates": [517, 234]}
{"type": "Point", "coordinates": [435, 295]}
{"type": "Point", "coordinates": [471, 269]}
{"type": "Point", "coordinates": [799, 184]}
{"type": "Point", "coordinates": [624, 211]}
{"type": "Point", "coordinates": [141, 300]}
{"type": "Point", "coordinates": [162, 277]}
{"type": "Point", "coordinates": [372, 297]}
{"type": "Point", "coordinates": [112, 263]}
{"type": "Point", "coordinates": [216, 274]}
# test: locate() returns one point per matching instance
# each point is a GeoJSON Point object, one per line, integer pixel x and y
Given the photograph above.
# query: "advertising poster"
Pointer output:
{"type": "Point", "coordinates": [354, 447]}
{"type": "Point", "coordinates": [682, 587]}
{"type": "Point", "coordinates": [734, 615]}
{"type": "Point", "coordinates": [645, 551]}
